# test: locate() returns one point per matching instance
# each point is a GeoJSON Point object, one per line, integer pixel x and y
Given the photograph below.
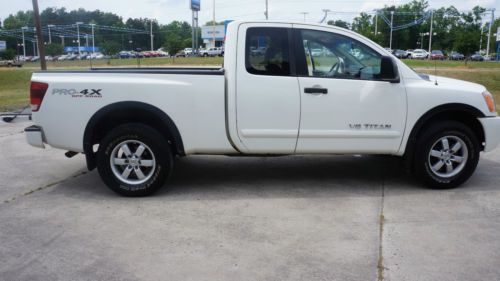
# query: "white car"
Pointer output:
{"type": "Point", "coordinates": [419, 54]}
{"type": "Point", "coordinates": [132, 123]}
{"type": "Point", "coordinates": [215, 52]}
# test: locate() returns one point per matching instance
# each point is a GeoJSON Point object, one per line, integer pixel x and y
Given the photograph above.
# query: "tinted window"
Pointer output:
{"type": "Point", "coordinates": [267, 51]}
{"type": "Point", "coordinates": [335, 56]}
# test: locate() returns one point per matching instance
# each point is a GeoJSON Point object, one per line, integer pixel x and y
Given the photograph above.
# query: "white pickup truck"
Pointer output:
{"type": "Point", "coordinates": [353, 97]}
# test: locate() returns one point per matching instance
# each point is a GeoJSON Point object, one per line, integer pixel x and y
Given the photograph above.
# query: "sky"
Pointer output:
{"type": "Point", "coordinates": [167, 10]}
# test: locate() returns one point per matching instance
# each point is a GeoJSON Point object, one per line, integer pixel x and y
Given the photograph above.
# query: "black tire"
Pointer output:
{"type": "Point", "coordinates": [432, 138]}
{"type": "Point", "coordinates": [157, 149]}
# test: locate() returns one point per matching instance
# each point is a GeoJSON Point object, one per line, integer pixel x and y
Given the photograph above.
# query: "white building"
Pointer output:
{"type": "Point", "coordinates": [208, 32]}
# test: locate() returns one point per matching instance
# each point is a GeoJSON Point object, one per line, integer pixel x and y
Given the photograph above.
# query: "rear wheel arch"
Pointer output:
{"type": "Point", "coordinates": [463, 113]}
{"type": "Point", "coordinates": [119, 113]}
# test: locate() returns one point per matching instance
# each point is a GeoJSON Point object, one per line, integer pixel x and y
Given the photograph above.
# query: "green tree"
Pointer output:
{"type": "Point", "coordinates": [54, 49]}
{"type": "Point", "coordinates": [110, 48]}
{"type": "Point", "coordinates": [177, 36]}
{"type": "Point", "coordinates": [339, 23]}
{"type": "Point", "coordinates": [8, 54]}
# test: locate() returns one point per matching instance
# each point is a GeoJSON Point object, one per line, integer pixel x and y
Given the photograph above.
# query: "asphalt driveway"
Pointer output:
{"type": "Point", "coordinates": [229, 218]}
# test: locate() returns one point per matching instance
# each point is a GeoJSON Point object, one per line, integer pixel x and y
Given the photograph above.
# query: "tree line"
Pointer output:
{"type": "Point", "coordinates": [454, 30]}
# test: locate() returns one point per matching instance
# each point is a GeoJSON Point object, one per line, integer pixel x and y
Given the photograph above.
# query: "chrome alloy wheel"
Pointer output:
{"type": "Point", "coordinates": [448, 156]}
{"type": "Point", "coordinates": [132, 162]}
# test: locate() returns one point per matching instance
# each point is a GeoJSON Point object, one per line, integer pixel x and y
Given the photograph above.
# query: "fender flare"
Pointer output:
{"type": "Point", "coordinates": [450, 107]}
{"type": "Point", "coordinates": [121, 110]}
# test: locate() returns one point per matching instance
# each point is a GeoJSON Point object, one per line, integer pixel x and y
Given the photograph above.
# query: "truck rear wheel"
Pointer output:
{"type": "Point", "coordinates": [134, 160]}
{"type": "Point", "coordinates": [446, 155]}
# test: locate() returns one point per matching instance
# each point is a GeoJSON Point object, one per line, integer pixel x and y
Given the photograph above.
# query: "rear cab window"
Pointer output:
{"type": "Point", "coordinates": [267, 51]}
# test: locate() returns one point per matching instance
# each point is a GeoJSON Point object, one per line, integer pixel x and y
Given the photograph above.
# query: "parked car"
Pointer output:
{"type": "Point", "coordinates": [215, 52]}
{"type": "Point", "coordinates": [188, 51]}
{"type": "Point", "coordinates": [132, 124]}
{"type": "Point", "coordinates": [419, 54]}
{"type": "Point", "coordinates": [162, 53]}
{"type": "Point", "coordinates": [437, 55]}
{"type": "Point", "coordinates": [125, 55]}
{"type": "Point", "coordinates": [203, 52]}
{"type": "Point", "coordinates": [258, 51]}
{"type": "Point", "coordinates": [400, 54]}
{"type": "Point", "coordinates": [181, 54]}
{"type": "Point", "coordinates": [11, 63]}
{"type": "Point", "coordinates": [62, 57]}
{"type": "Point", "coordinates": [477, 57]}
{"type": "Point", "coordinates": [455, 56]}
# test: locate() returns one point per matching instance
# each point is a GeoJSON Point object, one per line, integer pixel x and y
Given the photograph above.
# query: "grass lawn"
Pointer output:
{"type": "Point", "coordinates": [14, 88]}
{"type": "Point", "coordinates": [14, 82]}
{"type": "Point", "coordinates": [452, 64]}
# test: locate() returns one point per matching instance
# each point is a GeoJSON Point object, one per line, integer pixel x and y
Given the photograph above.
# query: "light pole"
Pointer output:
{"type": "Point", "coordinates": [50, 35]}
{"type": "Point", "coordinates": [213, 25]}
{"type": "Point", "coordinates": [24, 42]}
{"type": "Point", "coordinates": [151, 34]}
{"type": "Point", "coordinates": [267, 10]}
{"type": "Point", "coordinates": [430, 33]}
{"type": "Point", "coordinates": [18, 45]}
{"type": "Point", "coordinates": [93, 42]}
{"type": "Point", "coordinates": [392, 20]}
{"type": "Point", "coordinates": [489, 31]}
{"type": "Point", "coordinates": [78, 35]}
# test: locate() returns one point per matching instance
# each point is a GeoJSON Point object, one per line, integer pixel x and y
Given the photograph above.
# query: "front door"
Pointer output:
{"type": "Point", "coordinates": [345, 107]}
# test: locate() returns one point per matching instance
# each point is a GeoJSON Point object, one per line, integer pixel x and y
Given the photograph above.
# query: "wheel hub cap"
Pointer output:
{"type": "Point", "coordinates": [448, 156]}
{"type": "Point", "coordinates": [132, 162]}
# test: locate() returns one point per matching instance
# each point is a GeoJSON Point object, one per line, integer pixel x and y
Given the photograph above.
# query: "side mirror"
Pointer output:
{"type": "Point", "coordinates": [389, 70]}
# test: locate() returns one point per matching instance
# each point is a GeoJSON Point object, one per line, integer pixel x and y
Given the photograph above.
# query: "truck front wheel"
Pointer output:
{"type": "Point", "coordinates": [134, 160]}
{"type": "Point", "coordinates": [447, 154]}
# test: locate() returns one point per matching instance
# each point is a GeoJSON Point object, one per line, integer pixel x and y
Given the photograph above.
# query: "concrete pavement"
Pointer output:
{"type": "Point", "coordinates": [229, 218]}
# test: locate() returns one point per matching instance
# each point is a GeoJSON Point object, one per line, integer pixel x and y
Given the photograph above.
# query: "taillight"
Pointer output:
{"type": "Point", "coordinates": [37, 92]}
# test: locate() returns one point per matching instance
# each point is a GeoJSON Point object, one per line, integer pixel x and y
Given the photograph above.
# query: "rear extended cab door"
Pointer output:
{"type": "Point", "coordinates": [263, 98]}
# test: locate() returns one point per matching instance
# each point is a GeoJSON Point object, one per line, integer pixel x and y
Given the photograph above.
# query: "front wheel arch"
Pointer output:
{"type": "Point", "coordinates": [462, 113]}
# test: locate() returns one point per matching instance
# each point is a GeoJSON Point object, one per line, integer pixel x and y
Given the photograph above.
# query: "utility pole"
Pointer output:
{"type": "Point", "coordinates": [213, 25]}
{"type": "Point", "coordinates": [151, 34]}
{"type": "Point", "coordinates": [267, 10]}
{"type": "Point", "coordinates": [489, 31]}
{"type": "Point", "coordinates": [39, 35]}
{"type": "Point", "coordinates": [50, 35]}
{"type": "Point", "coordinates": [24, 41]}
{"type": "Point", "coordinates": [305, 14]}
{"type": "Point", "coordinates": [62, 40]}
{"type": "Point", "coordinates": [430, 33]}
{"type": "Point", "coordinates": [376, 22]}
{"type": "Point", "coordinates": [392, 21]}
